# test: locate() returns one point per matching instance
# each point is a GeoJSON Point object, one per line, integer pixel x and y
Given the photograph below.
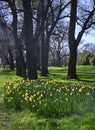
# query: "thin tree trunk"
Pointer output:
{"type": "Point", "coordinates": [18, 66]}
{"type": "Point", "coordinates": [47, 53]}
{"type": "Point", "coordinates": [43, 55]}
{"type": "Point", "coordinates": [11, 62]}
{"type": "Point", "coordinates": [38, 55]}
{"type": "Point", "coordinates": [58, 59]}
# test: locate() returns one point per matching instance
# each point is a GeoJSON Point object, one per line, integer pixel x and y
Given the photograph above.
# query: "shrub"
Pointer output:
{"type": "Point", "coordinates": [49, 98]}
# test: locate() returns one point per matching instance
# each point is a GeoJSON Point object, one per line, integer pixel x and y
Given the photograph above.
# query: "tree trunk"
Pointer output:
{"type": "Point", "coordinates": [47, 53]}
{"type": "Point", "coordinates": [11, 62]}
{"type": "Point", "coordinates": [44, 55]}
{"type": "Point", "coordinates": [44, 47]}
{"type": "Point", "coordinates": [72, 42]}
{"type": "Point", "coordinates": [58, 59]}
{"type": "Point", "coordinates": [72, 63]}
{"type": "Point", "coordinates": [29, 40]}
{"type": "Point", "coordinates": [18, 66]}
{"type": "Point", "coordinates": [38, 56]}
{"type": "Point", "coordinates": [21, 62]}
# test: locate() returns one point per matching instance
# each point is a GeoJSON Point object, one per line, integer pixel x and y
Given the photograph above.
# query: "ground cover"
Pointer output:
{"type": "Point", "coordinates": [26, 120]}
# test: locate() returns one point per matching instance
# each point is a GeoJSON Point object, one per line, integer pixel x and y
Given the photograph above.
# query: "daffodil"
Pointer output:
{"type": "Point", "coordinates": [50, 94]}
{"type": "Point", "coordinates": [71, 94]}
{"type": "Point", "coordinates": [80, 90]}
{"type": "Point", "coordinates": [26, 99]}
{"type": "Point", "coordinates": [88, 94]}
{"type": "Point", "coordinates": [31, 99]}
{"type": "Point", "coordinates": [66, 99]}
{"type": "Point", "coordinates": [65, 94]}
{"type": "Point", "coordinates": [40, 102]}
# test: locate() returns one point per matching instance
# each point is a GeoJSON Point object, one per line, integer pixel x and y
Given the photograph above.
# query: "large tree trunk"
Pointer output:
{"type": "Point", "coordinates": [29, 40]}
{"type": "Point", "coordinates": [21, 62]}
{"type": "Point", "coordinates": [45, 62]}
{"type": "Point", "coordinates": [20, 66]}
{"type": "Point", "coordinates": [72, 42]}
{"type": "Point", "coordinates": [44, 43]}
{"type": "Point", "coordinates": [72, 62]}
{"type": "Point", "coordinates": [44, 55]}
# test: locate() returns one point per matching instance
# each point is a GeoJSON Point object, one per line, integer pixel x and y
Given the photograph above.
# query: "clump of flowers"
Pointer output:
{"type": "Point", "coordinates": [48, 98]}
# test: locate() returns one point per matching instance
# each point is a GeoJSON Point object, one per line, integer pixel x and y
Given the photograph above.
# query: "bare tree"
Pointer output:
{"type": "Point", "coordinates": [58, 45]}
{"type": "Point", "coordinates": [6, 43]}
{"type": "Point", "coordinates": [53, 14]}
{"type": "Point", "coordinates": [86, 23]}
{"type": "Point", "coordinates": [20, 63]}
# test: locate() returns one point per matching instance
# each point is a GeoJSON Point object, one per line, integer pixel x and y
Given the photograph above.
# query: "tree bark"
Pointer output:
{"type": "Point", "coordinates": [72, 62]}
{"type": "Point", "coordinates": [29, 40]}
{"type": "Point", "coordinates": [44, 54]}
{"type": "Point", "coordinates": [18, 66]}
{"type": "Point", "coordinates": [44, 41]}
{"type": "Point", "coordinates": [45, 61]}
{"type": "Point", "coordinates": [11, 61]}
{"type": "Point", "coordinates": [72, 42]}
{"type": "Point", "coordinates": [22, 70]}
{"type": "Point", "coordinates": [38, 55]}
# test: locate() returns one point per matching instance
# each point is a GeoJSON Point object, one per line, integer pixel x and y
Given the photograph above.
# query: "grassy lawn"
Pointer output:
{"type": "Point", "coordinates": [26, 120]}
{"type": "Point", "coordinates": [86, 75]}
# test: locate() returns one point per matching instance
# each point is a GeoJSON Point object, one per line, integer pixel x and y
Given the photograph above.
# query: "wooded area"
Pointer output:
{"type": "Point", "coordinates": [38, 33]}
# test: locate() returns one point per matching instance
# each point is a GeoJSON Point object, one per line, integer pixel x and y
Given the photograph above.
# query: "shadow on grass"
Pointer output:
{"type": "Point", "coordinates": [58, 76]}
{"type": "Point", "coordinates": [6, 72]}
{"type": "Point", "coordinates": [86, 80]}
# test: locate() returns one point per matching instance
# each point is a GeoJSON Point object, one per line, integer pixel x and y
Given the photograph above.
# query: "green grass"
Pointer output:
{"type": "Point", "coordinates": [25, 120]}
{"type": "Point", "coordinates": [86, 75]}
